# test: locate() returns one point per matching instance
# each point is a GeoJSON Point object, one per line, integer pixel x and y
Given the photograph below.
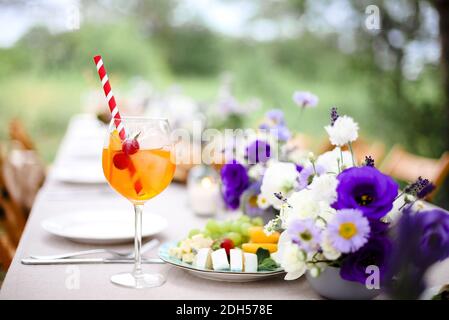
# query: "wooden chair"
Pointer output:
{"type": "Point", "coordinates": [361, 148]}
{"type": "Point", "coordinates": [13, 214]}
{"type": "Point", "coordinates": [17, 132]}
{"type": "Point", "coordinates": [405, 166]}
{"type": "Point", "coordinates": [22, 170]}
{"type": "Point", "coordinates": [7, 251]}
{"type": "Point", "coordinates": [21, 176]}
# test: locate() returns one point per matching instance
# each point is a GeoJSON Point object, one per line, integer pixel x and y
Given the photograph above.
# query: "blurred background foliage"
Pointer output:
{"type": "Point", "coordinates": [390, 79]}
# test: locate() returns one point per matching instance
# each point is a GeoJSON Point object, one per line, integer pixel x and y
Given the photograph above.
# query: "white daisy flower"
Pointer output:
{"type": "Point", "coordinates": [312, 203]}
{"type": "Point", "coordinates": [343, 131]}
{"type": "Point", "coordinates": [262, 202]}
{"type": "Point", "coordinates": [331, 160]}
{"type": "Point", "coordinates": [256, 171]}
{"type": "Point", "coordinates": [293, 261]}
{"type": "Point", "coordinates": [324, 188]}
{"type": "Point", "coordinates": [302, 206]}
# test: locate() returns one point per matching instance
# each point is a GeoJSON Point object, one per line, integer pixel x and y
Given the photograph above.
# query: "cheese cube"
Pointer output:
{"type": "Point", "coordinates": [250, 261]}
{"type": "Point", "coordinates": [203, 259]}
{"type": "Point", "coordinates": [220, 260]}
{"type": "Point", "coordinates": [188, 257]}
{"type": "Point", "coordinates": [236, 260]}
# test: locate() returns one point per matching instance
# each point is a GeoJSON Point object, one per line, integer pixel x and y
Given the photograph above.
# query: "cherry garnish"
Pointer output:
{"type": "Point", "coordinates": [121, 160]}
{"type": "Point", "coordinates": [130, 146]}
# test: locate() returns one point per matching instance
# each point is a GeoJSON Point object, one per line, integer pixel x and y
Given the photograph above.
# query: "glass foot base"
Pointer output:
{"type": "Point", "coordinates": [138, 281]}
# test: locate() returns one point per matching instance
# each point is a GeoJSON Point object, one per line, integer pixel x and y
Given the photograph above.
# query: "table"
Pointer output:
{"type": "Point", "coordinates": [56, 281]}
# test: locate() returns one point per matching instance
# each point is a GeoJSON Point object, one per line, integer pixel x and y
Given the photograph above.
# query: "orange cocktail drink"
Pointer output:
{"type": "Point", "coordinates": [153, 168]}
{"type": "Point", "coordinates": [139, 164]}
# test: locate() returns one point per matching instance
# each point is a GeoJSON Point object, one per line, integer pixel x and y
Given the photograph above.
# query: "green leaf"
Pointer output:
{"type": "Point", "coordinates": [268, 264]}
{"type": "Point", "coordinates": [264, 260]}
{"type": "Point", "coordinates": [262, 254]}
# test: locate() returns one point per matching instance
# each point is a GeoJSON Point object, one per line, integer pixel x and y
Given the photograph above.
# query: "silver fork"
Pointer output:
{"type": "Point", "coordinates": [146, 247]}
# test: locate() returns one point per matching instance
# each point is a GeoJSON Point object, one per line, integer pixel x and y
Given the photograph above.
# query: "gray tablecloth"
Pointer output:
{"type": "Point", "coordinates": [56, 282]}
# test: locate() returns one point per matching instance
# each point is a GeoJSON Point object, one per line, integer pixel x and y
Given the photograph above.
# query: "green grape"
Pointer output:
{"type": "Point", "coordinates": [206, 233]}
{"type": "Point", "coordinates": [215, 235]}
{"type": "Point", "coordinates": [244, 228]}
{"type": "Point", "coordinates": [222, 227]}
{"type": "Point", "coordinates": [226, 226]}
{"type": "Point", "coordinates": [245, 218]}
{"type": "Point", "coordinates": [235, 226]}
{"type": "Point", "coordinates": [257, 221]}
{"type": "Point", "coordinates": [235, 237]}
{"type": "Point", "coordinates": [194, 232]}
{"type": "Point", "coordinates": [212, 226]}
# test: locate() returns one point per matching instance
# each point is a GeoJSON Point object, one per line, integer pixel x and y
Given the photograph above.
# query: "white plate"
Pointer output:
{"type": "Point", "coordinates": [227, 276]}
{"type": "Point", "coordinates": [102, 226]}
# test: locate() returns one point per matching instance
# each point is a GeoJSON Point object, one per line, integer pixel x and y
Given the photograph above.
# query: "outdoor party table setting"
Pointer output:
{"type": "Point", "coordinates": [264, 219]}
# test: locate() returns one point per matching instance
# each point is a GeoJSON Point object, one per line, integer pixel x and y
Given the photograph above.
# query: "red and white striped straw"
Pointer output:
{"type": "Point", "coordinates": [110, 97]}
{"type": "Point", "coordinates": [115, 115]}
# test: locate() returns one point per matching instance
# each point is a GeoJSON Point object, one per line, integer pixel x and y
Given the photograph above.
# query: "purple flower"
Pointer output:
{"type": "Point", "coordinates": [275, 116]}
{"type": "Point", "coordinates": [378, 228]}
{"type": "Point", "coordinates": [367, 189]}
{"type": "Point", "coordinates": [434, 230]}
{"type": "Point", "coordinates": [376, 252]}
{"type": "Point", "coordinates": [282, 133]}
{"type": "Point", "coordinates": [421, 239]}
{"type": "Point", "coordinates": [305, 99]}
{"type": "Point", "coordinates": [235, 181]}
{"type": "Point", "coordinates": [231, 199]}
{"type": "Point", "coordinates": [305, 234]}
{"type": "Point", "coordinates": [275, 122]}
{"type": "Point", "coordinates": [258, 151]}
{"type": "Point", "coordinates": [348, 230]}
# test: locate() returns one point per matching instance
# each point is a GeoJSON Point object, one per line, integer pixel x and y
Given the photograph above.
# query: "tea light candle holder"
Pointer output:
{"type": "Point", "coordinates": [204, 190]}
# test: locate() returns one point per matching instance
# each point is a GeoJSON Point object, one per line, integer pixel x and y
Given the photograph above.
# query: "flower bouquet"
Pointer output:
{"type": "Point", "coordinates": [337, 217]}
{"type": "Point", "coordinates": [264, 164]}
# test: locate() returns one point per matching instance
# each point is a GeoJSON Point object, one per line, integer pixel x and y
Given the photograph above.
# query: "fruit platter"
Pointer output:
{"type": "Point", "coordinates": [236, 250]}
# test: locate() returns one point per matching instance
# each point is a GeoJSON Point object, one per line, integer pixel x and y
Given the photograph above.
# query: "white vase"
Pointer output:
{"type": "Point", "coordinates": [330, 285]}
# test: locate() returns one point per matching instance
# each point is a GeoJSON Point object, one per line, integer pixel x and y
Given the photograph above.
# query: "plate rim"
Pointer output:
{"type": "Point", "coordinates": [44, 225]}
{"type": "Point", "coordinates": [236, 273]}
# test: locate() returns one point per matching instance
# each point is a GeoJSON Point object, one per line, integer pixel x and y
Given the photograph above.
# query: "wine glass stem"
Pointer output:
{"type": "Point", "coordinates": [138, 209]}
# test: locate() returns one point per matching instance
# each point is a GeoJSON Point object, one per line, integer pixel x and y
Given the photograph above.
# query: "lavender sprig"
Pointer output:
{"type": "Point", "coordinates": [420, 188]}
{"type": "Point", "coordinates": [369, 161]}
{"type": "Point", "coordinates": [281, 197]}
{"type": "Point", "coordinates": [425, 191]}
{"type": "Point", "coordinates": [334, 115]}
